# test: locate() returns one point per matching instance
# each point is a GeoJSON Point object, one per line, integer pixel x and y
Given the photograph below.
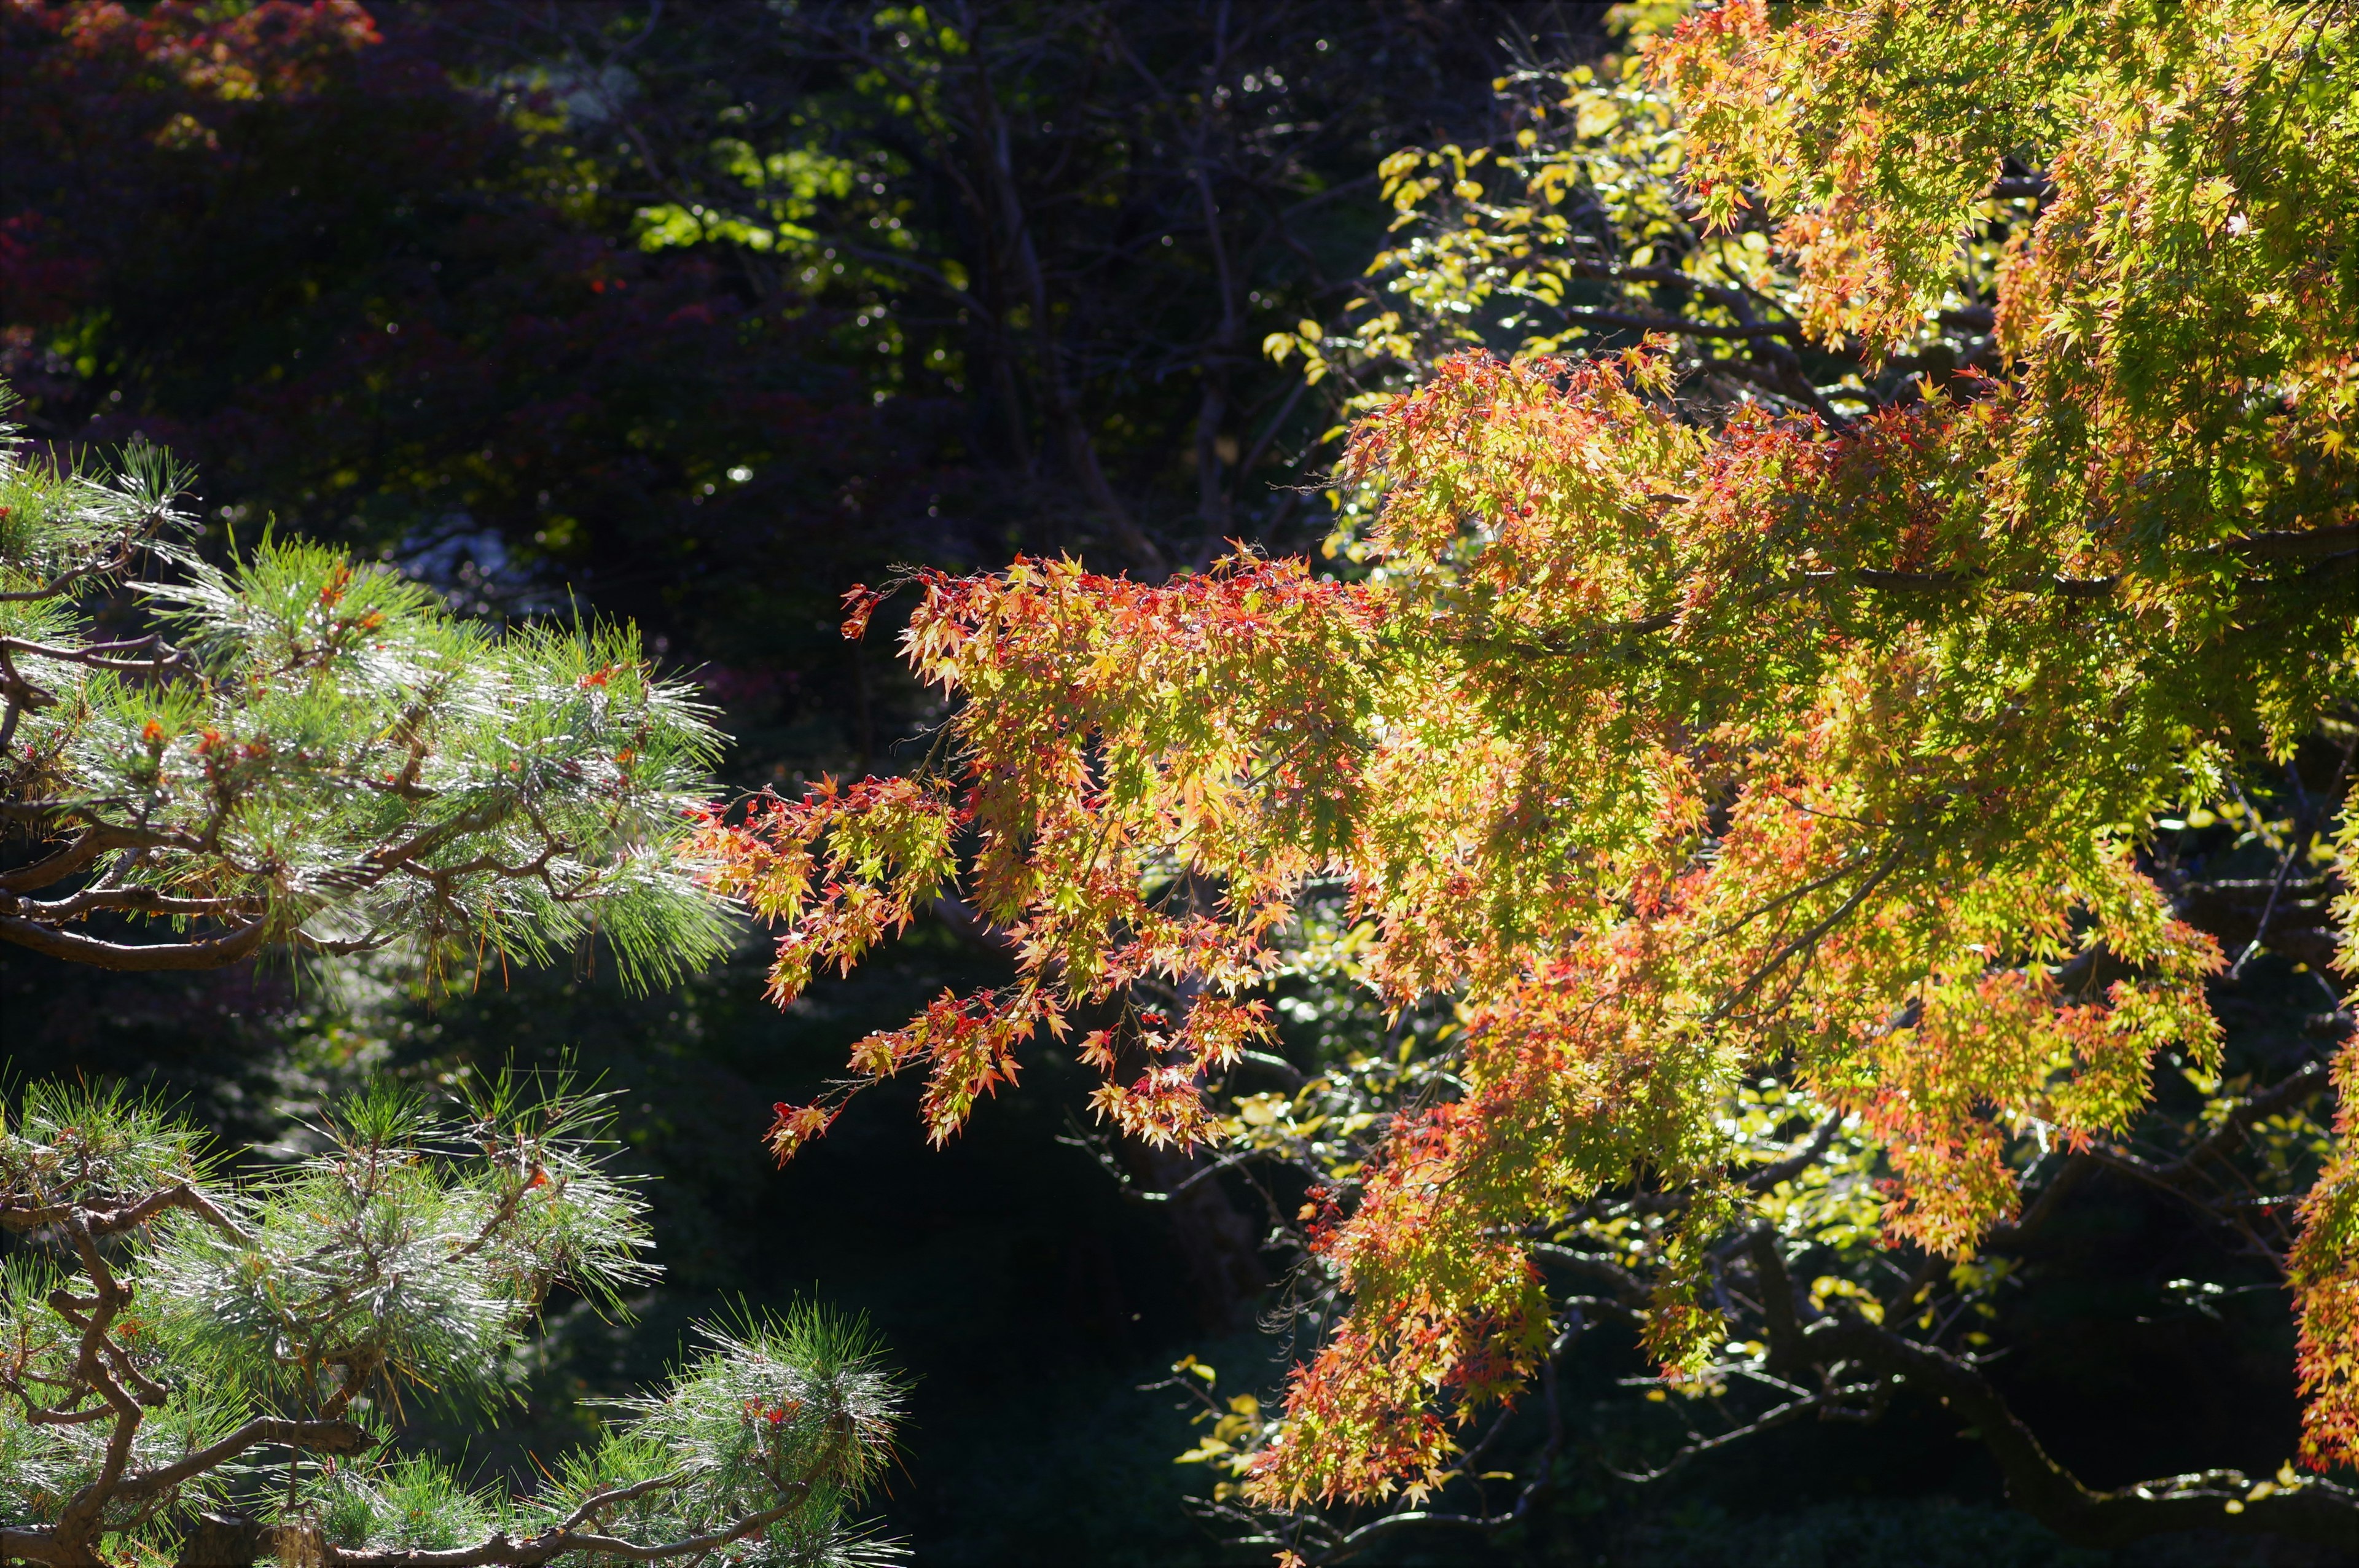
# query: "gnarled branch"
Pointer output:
{"type": "Point", "coordinates": [206, 953]}
{"type": "Point", "coordinates": [2317, 1510]}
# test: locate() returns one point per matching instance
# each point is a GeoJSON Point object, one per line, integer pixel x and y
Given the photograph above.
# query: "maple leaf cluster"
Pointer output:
{"type": "Point", "coordinates": [1673, 752]}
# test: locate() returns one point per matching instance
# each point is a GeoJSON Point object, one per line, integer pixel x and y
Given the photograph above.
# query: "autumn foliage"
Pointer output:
{"type": "Point", "coordinates": [1678, 750]}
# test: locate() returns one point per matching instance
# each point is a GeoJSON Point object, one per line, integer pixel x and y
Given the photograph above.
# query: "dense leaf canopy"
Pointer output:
{"type": "Point", "coordinates": [1694, 748]}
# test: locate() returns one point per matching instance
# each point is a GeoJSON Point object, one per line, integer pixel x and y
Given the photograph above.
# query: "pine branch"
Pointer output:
{"type": "Point", "coordinates": [208, 953]}
{"type": "Point", "coordinates": [502, 1551]}
{"type": "Point", "coordinates": [330, 1436]}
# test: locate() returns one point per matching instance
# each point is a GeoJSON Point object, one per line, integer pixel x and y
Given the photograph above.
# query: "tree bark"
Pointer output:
{"type": "Point", "coordinates": [224, 1541]}
{"type": "Point", "coordinates": [2224, 1501]}
{"type": "Point", "coordinates": [211, 953]}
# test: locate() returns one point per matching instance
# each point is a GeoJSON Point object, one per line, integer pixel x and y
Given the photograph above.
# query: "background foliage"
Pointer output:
{"type": "Point", "coordinates": [698, 315]}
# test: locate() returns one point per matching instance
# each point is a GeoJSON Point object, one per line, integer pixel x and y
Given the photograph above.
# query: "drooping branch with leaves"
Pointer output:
{"type": "Point", "coordinates": [197, 1364]}
{"type": "Point", "coordinates": [1827, 1319]}
{"type": "Point", "coordinates": [200, 760]}
{"type": "Point", "coordinates": [1770, 771]}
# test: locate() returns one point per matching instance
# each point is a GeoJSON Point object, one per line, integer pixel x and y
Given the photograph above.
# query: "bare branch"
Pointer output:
{"type": "Point", "coordinates": [2179, 1176]}
{"type": "Point", "coordinates": [1768, 1420]}
{"type": "Point", "coordinates": [612, 1496]}
{"type": "Point", "coordinates": [2316, 1510]}
{"type": "Point", "coordinates": [103, 568]}
{"type": "Point", "coordinates": [98, 656]}
{"type": "Point", "coordinates": [109, 1222]}
{"type": "Point", "coordinates": [87, 846]}
{"type": "Point", "coordinates": [1794, 1164]}
{"type": "Point", "coordinates": [339, 1437]}
{"type": "Point", "coordinates": [36, 1545]}
{"type": "Point", "coordinates": [503, 1551]}
{"type": "Point", "coordinates": [2293, 852]}
{"type": "Point", "coordinates": [1679, 325]}
{"type": "Point", "coordinates": [134, 899]}
{"type": "Point", "coordinates": [1368, 1534]}
{"type": "Point", "coordinates": [2295, 543]}
{"type": "Point", "coordinates": [77, 1520]}
{"type": "Point", "coordinates": [209, 953]}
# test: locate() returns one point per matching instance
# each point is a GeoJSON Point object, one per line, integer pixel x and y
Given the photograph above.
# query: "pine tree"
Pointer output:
{"type": "Point", "coordinates": [212, 1370]}
{"type": "Point", "coordinates": [298, 751]}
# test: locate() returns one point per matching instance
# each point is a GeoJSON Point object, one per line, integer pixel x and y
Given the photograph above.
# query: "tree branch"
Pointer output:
{"type": "Point", "coordinates": [2295, 543]}
{"type": "Point", "coordinates": [110, 1222]}
{"type": "Point", "coordinates": [208, 953]}
{"type": "Point", "coordinates": [36, 1544]}
{"type": "Point", "coordinates": [1767, 1421]}
{"type": "Point", "coordinates": [1368, 1534]}
{"type": "Point", "coordinates": [502, 1551]}
{"type": "Point", "coordinates": [87, 846]}
{"type": "Point", "coordinates": [608, 1498]}
{"type": "Point", "coordinates": [77, 1520]}
{"type": "Point", "coordinates": [66, 580]}
{"type": "Point", "coordinates": [312, 1436]}
{"type": "Point", "coordinates": [2289, 1091]}
{"type": "Point", "coordinates": [1794, 1164]}
{"type": "Point", "coordinates": [96, 658]}
{"type": "Point", "coordinates": [2334, 545]}
{"type": "Point", "coordinates": [136, 900]}
{"type": "Point", "coordinates": [2177, 1177]}
{"type": "Point", "coordinates": [2317, 1510]}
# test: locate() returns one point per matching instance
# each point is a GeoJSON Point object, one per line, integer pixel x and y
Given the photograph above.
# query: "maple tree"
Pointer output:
{"type": "Point", "coordinates": [1768, 791]}
{"type": "Point", "coordinates": [302, 751]}
{"type": "Point", "coordinates": [207, 1370]}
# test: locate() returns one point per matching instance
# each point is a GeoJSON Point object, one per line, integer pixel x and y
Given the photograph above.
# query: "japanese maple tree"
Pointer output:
{"type": "Point", "coordinates": [1758, 767]}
